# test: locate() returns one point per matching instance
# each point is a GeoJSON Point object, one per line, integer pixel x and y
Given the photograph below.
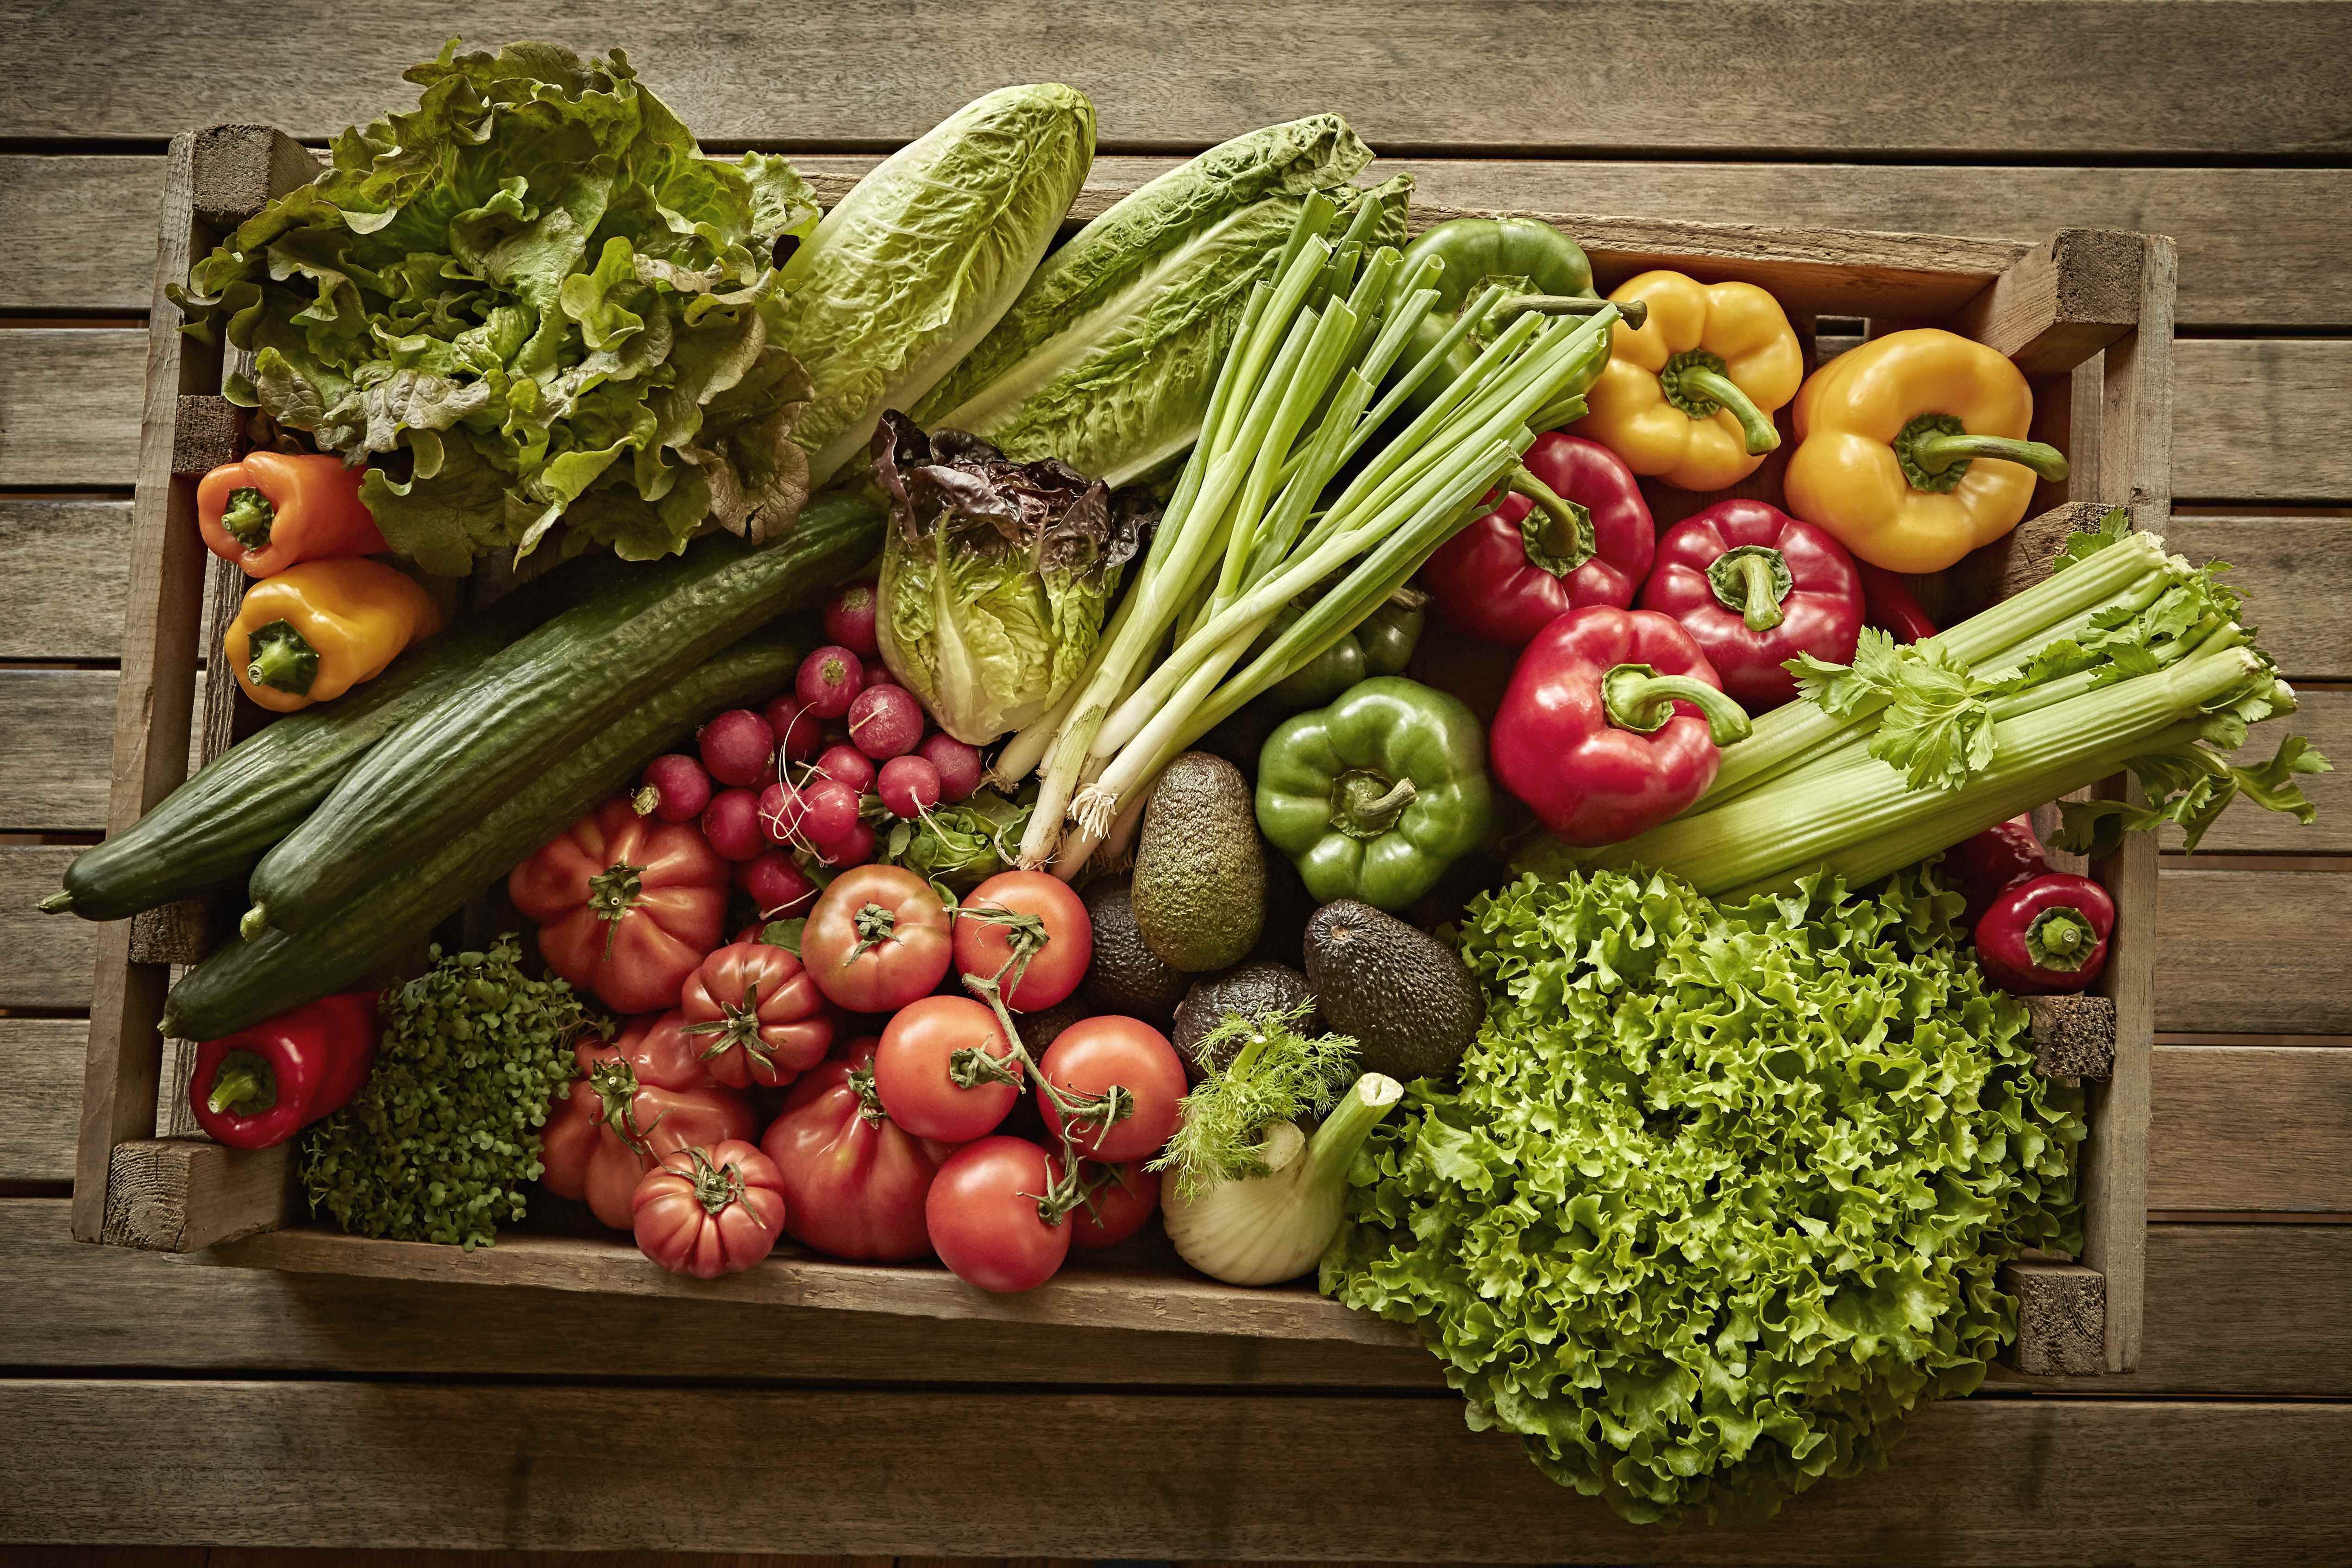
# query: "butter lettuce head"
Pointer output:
{"type": "Point", "coordinates": [1722, 1193]}
{"type": "Point", "coordinates": [994, 576]}
{"type": "Point", "coordinates": [531, 302]}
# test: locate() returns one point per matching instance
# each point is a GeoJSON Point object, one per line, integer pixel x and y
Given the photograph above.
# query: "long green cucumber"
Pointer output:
{"type": "Point", "coordinates": [262, 976]}
{"type": "Point", "coordinates": [213, 828]}
{"type": "Point", "coordinates": [524, 709]}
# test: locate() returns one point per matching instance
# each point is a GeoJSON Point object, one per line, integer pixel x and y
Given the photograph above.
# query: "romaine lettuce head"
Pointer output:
{"type": "Point", "coordinates": [1724, 1192]}
{"type": "Point", "coordinates": [994, 576]}
{"type": "Point", "coordinates": [530, 302]}
{"type": "Point", "coordinates": [912, 268]}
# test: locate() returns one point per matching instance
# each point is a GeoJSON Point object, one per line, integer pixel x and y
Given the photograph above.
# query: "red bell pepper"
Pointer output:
{"type": "Point", "coordinates": [2002, 856]}
{"type": "Point", "coordinates": [1574, 531]}
{"type": "Point", "coordinates": [1754, 588]}
{"type": "Point", "coordinates": [1888, 605]}
{"type": "Point", "coordinates": [1611, 724]}
{"type": "Point", "coordinates": [2046, 935]}
{"type": "Point", "coordinates": [257, 1088]}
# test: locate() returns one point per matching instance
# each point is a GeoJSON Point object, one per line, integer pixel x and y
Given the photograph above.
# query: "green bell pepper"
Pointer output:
{"type": "Point", "coordinates": [1373, 796]}
{"type": "Point", "coordinates": [1543, 268]}
{"type": "Point", "coordinates": [1382, 644]}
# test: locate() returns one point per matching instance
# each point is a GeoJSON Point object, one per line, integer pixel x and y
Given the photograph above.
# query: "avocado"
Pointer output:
{"type": "Point", "coordinates": [1042, 1029]}
{"type": "Point", "coordinates": [1198, 888]}
{"type": "Point", "coordinates": [1125, 975]}
{"type": "Point", "coordinates": [1403, 994]}
{"type": "Point", "coordinates": [1252, 989]}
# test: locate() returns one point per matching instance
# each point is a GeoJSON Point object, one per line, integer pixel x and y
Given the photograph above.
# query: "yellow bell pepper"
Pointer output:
{"type": "Point", "coordinates": [1689, 396]}
{"type": "Point", "coordinates": [319, 627]}
{"type": "Point", "coordinates": [1911, 449]}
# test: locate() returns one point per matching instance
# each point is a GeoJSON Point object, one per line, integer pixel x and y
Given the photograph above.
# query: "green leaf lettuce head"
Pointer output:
{"type": "Point", "coordinates": [532, 301]}
{"type": "Point", "coordinates": [912, 268]}
{"type": "Point", "coordinates": [438, 1142]}
{"type": "Point", "coordinates": [1722, 1192]}
{"type": "Point", "coordinates": [994, 576]}
{"type": "Point", "coordinates": [1107, 358]}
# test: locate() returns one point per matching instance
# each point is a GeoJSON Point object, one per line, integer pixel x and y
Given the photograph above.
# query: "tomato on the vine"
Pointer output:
{"type": "Point", "coordinates": [984, 1219]}
{"type": "Point", "coordinates": [1033, 921]}
{"type": "Point", "coordinates": [1119, 1199]}
{"type": "Point", "coordinates": [1094, 1054]}
{"type": "Point", "coordinates": [914, 1064]}
{"type": "Point", "coordinates": [877, 939]}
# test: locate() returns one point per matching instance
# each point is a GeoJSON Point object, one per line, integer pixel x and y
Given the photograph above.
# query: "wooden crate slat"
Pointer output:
{"type": "Point", "coordinates": [2062, 1313]}
{"type": "Point", "coordinates": [2061, 302]}
{"type": "Point", "coordinates": [183, 1194]}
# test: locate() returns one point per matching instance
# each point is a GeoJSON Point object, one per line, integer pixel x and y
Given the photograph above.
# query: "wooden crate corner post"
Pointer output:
{"type": "Point", "coordinates": [131, 1187]}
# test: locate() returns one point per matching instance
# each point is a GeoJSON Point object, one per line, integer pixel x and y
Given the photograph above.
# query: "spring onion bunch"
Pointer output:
{"type": "Point", "coordinates": [1250, 526]}
{"type": "Point", "coordinates": [2124, 657]}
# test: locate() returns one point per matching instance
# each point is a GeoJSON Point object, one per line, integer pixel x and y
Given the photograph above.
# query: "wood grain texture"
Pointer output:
{"type": "Point", "coordinates": [184, 1195]}
{"type": "Point", "coordinates": [70, 400]}
{"type": "Point", "coordinates": [2248, 1128]}
{"type": "Point", "coordinates": [40, 1062]}
{"type": "Point", "coordinates": [61, 596]}
{"type": "Point", "coordinates": [2062, 1310]}
{"type": "Point", "coordinates": [50, 956]}
{"type": "Point", "coordinates": [60, 723]}
{"type": "Point", "coordinates": [2253, 952]}
{"type": "Point", "coordinates": [1193, 1475]}
{"type": "Point", "coordinates": [2061, 302]}
{"type": "Point", "coordinates": [2259, 247]}
{"type": "Point", "coordinates": [2296, 576]}
{"type": "Point", "coordinates": [2154, 78]}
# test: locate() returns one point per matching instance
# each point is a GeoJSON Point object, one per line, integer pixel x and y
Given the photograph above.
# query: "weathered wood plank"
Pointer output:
{"type": "Point", "coordinates": [1191, 1476]}
{"type": "Point", "coordinates": [2246, 1127]}
{"type": "Point", "coordinates": [2170, 77]}
{"type": "Point", "coordinates": [60, 725]}
{"type": "Point", "coordinates": [2253, 952]}
{"type": "Point", "coordinates": [51, 957]}
{"type": "Point", "coordinates": [2259, 247]}
{"type": "Point", "coordinates": [2296, 576]}
{"type": "Point", "coordinates": [61, 596]}
{"type": "Point", "coordinates": [69, 401]}
{"type": "Point", "coordinates": [2258, 418]}
{"type": "Point", "coordinates": [40, 1061]}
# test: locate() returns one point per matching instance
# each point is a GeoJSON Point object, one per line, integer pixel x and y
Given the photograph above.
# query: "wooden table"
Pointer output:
{"type": "Point", "coordinates": [153, 1399]}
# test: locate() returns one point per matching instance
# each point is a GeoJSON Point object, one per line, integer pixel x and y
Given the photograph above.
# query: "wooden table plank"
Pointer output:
{"type": "Point", "coordinates": [51, 957]}
{"type": "Point", "coordinates": [2245, 1128]}
{"type": "Point", "coordinates": [1192, 1476]}
{"type": "Point", "coordinates": [62, 724]}
{"type": "Point", "coordinates": [61, 596]}
{"type": "Point", "coordinates": [70, 406]}
{"type": "Point", "coordinates": [2296, 576]}
{"type": "Point", "coordinates": [1944, 80]}
{"type": "Point", "coordinates": [40, 1061]}
{"type": "Point", "coordinates": [2259, 247]}
{"type": "Point", "coordinates": [2253, 952]}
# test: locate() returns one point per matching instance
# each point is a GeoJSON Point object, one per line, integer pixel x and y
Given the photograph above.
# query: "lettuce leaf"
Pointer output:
{"type": "Point", "coordinates": [1723, 1191]}
{"type": "Point", "coordinates": [531, 302]}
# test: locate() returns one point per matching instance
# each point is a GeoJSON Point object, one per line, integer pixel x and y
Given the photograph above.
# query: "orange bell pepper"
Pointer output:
{"type": "Point", "coordinates": [270, 509]}
{"type": "Point", "coordinates": [317, 630]}
{"type": "Point", "coordinates": [1688, 398]}
{"type": "Point", "coordinates": [1911, 449]}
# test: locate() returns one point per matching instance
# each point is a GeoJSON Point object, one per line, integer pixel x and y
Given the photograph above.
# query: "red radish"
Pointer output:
{"type": "Point", "coordinates": [782, 810]}
{"type": "Point", "coordinates": [958, 764]}
{"type": "Point", "coordinates": [910, 786]}
{"type": "Point", "coordinates": [730, 824]}
{"type": "Point", "coordinates": [738, 747]}
{"type": "Point", "coordinates": [801, 732]}
{"type": "Point", "coordinates": [849, 619]}
{"type": "Point", "coordinates": [879, 674]}
{"type": "Point", "coordinates": [885, 721]}
{"type": "Point", "coordinates": [680, 788]}
{"type": "Point", "coordinates": [828, 811]}
{"type": "Point", "coordinates": [848, 764]}
{"type": "Point", "coordinates": [827, 679]}
{"type": "Point", "coordinates": [776, 884]}
{"type": "Point", "coordinates": [855, 849]}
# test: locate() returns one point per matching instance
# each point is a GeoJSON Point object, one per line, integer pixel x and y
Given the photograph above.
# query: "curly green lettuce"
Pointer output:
{"type": "Point", "coordinates": [1722, 1192]}
{"type": "Point", "coordinates": [532, 301]}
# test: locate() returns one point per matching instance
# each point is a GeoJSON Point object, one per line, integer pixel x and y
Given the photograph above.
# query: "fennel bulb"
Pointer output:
{"type": "Point", "coordinates": [1264, 1229]}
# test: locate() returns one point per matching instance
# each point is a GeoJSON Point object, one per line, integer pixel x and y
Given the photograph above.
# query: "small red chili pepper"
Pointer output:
{"type": "Point", "coordinates": [2002, 856]}
{"type": "Point", "coordinates": [1890, 606]}
{"type": "Point", "coordinates": [1573, 532]}
{"type": "Point", "coordinates": [2046, 935]}
{"type": "Point", "coordinates": [260, 1086]}
{"type": "Point", "coordinates": [1754, 588]}
{"type": "Point", "coordinates": [1611, 724]}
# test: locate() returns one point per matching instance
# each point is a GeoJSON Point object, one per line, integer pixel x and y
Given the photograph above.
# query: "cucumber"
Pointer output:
{"type": "Point", "coordinates": [213, 828]}
{"type": "Point", "coordinates": [524, 709]}
{"type": "Point", "coordinates": [264, 975]}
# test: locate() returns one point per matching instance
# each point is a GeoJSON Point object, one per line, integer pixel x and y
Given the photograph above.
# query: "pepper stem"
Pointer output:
{"type": "Point", "coordinates": [1369, 804]}
{"type": "Point", "coordinates": [1703, 387]}
{"type": "Point", "coordinates": [1935, 451]}
{"type": "Point", "coordinates": [281, 659]}
{"type": "Point", "coordinates": [1752, 579]}
{"type": "Point", "coordinates": [2060, 940]}
{"type": "Point", "coordinates": [1639, 698]}
{"type": "Point", "coordinates": [244, 1083]}
{"type": "Point", "coordinates": [248, 518]}
{"type": "Point", "coordinates": [1632, 312]}
{"type": "Point", "coordinates": [1555, 532]}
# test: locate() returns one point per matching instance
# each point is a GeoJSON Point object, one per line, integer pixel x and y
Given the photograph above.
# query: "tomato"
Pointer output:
{"type": "Point", "coordinates": [877, 939]}
{"type": "Point", "coordinates": [1096, 1053]}
{"type": "Point", "coordinates": [1123, 1197]}
{"type": "Point", "coordinates": [626, 906]}
{"type": "Point", "coordinates": [651, 1082]}
{"type": "Point", "coordinates": [984, 1218]}
{"type": "Point", "coordinates": [759, 1015]}
{"type": "Point", "coordinates": [854, 1180]}
{"type": "Point", "coordinates": [708, 1212]}
{"type": "Point", "coordinates": [1057, 918]}
{"type": "Point", "coordinates": [918, 1053]}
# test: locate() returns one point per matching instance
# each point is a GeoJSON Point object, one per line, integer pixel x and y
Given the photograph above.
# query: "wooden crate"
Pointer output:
{"type": "Point", "coordinates": [2087, 316]}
